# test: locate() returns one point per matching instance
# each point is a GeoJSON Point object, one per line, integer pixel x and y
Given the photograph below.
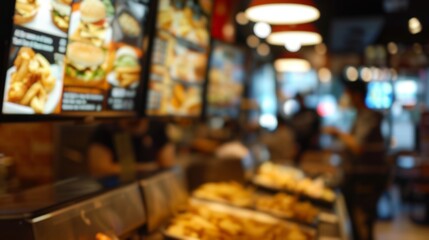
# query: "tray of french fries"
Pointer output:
{"type": "Point", "coordinates": [280, 205]}
{"type": "Point", "coordinates": [33, 85]}
{"type": "Point", "coordinates": [207, 220]}
{"type": "Point", "coordinates": [276, 178]}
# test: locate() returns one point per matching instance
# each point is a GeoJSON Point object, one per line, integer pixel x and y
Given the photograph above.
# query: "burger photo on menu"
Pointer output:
{"type": "Point", "coordinates": [25, 11]}
{"type": "Point", "coordinates": [85, 65]}
{"type": "Point", "coordinates": [61, 11]}
{"type": "Point", "coordinates": [33, 84]}
{"type": "Point", "coordinates": [127, 26]}
{"type": "Point", "coordinates": [90, 24]}
{"type": "Point", "coordinates": [44, 16]}
{"type": "Point", "coordinates": [126, 68]}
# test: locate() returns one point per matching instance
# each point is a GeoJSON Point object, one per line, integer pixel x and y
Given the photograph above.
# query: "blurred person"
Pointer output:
{"type": "Point", "coordinates": [280, 143]}
{"type": "Point", "coordinates": [151, 147]}
{"type": "Point", "coordinates": [365, 167]}
{"type": "Point", "coordinates": [306, 126]}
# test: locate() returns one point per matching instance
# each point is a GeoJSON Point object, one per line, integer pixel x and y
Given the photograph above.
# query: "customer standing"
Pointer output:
{"type": "Point", "coordinates": [306, 126]}
{"type": "Point", "coordinates": [150, 146]}
{"type": "Point", "coordinates": [365, 162]}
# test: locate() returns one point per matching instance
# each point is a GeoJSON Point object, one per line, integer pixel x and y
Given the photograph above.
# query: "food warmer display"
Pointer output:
{"type": "Point", "coordinates": [159, 205]}
{"type": "Point", "coordinates": [76, 209]}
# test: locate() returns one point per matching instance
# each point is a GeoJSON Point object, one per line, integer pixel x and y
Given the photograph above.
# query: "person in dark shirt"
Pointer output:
{"type": "Point", "coordinates": [306, 126]}
{"type": "Point", "coordinates": [150, 144]}
{"type": "Point", "coordinates": [365, 166]}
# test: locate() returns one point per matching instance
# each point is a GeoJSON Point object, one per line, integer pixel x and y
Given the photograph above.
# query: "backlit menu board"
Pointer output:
{"type": "Point", "coordinates": [179, 58]}
{"type": "Point", "coordinates": [69, 56]}
{"type": "Point", "coordinates": [226, 80]}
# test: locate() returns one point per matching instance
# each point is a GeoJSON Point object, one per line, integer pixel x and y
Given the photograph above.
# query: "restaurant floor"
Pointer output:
{"type": "Point", "coordinates": [400, 227]}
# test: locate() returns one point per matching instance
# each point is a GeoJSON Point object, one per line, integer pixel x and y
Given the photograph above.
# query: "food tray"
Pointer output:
{"type": "Point", "coordinates": [243, 213]}
{"type": "Point", "coordinates": [267, 188]}
{"type": "Point", "coordinates": [253, 207]}
{"type": "Point", "coordinates": [278, 214]}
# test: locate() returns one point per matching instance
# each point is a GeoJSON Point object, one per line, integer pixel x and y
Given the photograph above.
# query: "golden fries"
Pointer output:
{"type": "Point", "coordinates": [288, 206]}
{"type": "Point", "coordinates": [229, 192]}
{"type": "Point", "coordinates": [32, 80]}
{"type": "Point", "coordinates": [204, 223]}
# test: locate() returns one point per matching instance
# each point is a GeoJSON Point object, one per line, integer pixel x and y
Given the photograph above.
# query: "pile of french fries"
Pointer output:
{"type": "Point", "coordinates": [206, 224]}
{"type": "Point", "coordinates": [288, 206]}
{"type": "Point", "coordinates": [229, 192]}
{"type": "Point", "coordinates": [32, 80]}
{"type": "Point", "coordinates": [127, 75]}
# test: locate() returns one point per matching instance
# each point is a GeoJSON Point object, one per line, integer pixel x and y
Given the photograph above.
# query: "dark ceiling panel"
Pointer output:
{"type": "Point", "coordinates": [354, 34]}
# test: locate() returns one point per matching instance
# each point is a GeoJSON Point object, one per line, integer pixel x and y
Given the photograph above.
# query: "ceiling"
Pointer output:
{"type": "Point", "coordinates": [348, 26]}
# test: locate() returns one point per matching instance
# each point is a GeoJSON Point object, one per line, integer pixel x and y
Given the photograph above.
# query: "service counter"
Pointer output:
{"type": "Point", "coordinates": [83, 208]}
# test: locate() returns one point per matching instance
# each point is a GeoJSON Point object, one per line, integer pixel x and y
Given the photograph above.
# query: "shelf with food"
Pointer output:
{"type": "Point", "coordinates": [276, 178]}
{"type": "Point", "coordinates": [205, 220]}
{"type": "Point", "coordinates": [283, 206]}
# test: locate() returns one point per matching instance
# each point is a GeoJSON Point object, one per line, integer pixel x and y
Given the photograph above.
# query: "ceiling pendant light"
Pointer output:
{"type": "Point", "coordinates": [262, 30]}
{"type": "Point", "coordinates": [282, 11]}
{"type": "Point", "coordinates": [291, 63]}
{"type": "Point", "coordinates": [293, 46]}
{"type": "Point", "coordinates": [304, 34]}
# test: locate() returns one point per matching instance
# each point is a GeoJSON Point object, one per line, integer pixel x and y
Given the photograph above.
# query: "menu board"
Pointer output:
{"type": "Point", "coordinates": [179, 58]}
{"type": "Point", "coordinates": [226, 80]}
{"type": "Point", "coordinates": [69, 56]}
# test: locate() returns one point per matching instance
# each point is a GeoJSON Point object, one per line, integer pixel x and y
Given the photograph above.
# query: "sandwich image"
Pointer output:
{"type": "Point", "coordinates": [25, 11]}
{"type": "Point", "coordinates": [93, 22]}
{"type": "Point", "coordinates": [127, 66]}
{"type": "Point", "coordinates": [61, 11]}
{"type": "Point", "coordinates": [129, 24]}
{"type": "Point", "coordinates": [84, 63]}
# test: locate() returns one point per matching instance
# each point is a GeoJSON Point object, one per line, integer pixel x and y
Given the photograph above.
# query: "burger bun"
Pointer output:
{"type": "Point", "coordinates": [84, 54]}
{"type": "Point", "coordinates": [92, 11]}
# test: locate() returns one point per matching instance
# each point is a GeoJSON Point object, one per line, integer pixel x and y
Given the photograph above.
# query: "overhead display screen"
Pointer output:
{"type": "Point", "coordinates": [179, 58]}
{"type": "Point", "coordinates": [69, 56]}
{"type": "Point", "coordinates": [226, 80]}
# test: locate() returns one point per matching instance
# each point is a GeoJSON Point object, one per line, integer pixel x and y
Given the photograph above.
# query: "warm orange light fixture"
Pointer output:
{"type": "Point", "coordinates": [304, 34]}
{"type": "Point", "coordinates": [292, 63]}
{"type": "Point", "coordinates": [282, 11]}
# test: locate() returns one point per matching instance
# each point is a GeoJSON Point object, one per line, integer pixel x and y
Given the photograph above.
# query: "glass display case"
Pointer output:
{"type": "Point", "coordinates": [55, 213]}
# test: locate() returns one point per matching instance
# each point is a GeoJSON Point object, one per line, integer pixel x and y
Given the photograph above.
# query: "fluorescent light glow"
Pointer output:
{"type": "Point", "coordinates": [302, 37]}
{"type": "Point", "coordinates": [325, 75]}
{"type": "Point", "coordinates": [262, 29]}
{"type": "Point", "coordinates": [415, 26]}
{"type": "Point", "coordinates": [241, 18]}
{"type": "Point", "coordinates": [268, 121]}
{"type": "Point", "coordinates": [392, 48]}
{"type": "Point", "coordinates": [263, 49]}
{"type": "Point", "coordinates": [285, 13]}
{"type": "Point", "coordinates": [376, 73]}
{"type": "Point", "coordinates": [293, 46]}
{"type": "Point", "coordinates": [292, 65]}
{"type": "Point", "coordinates": [252, 41]}
{"type": "Point", "coordinates": [290, 107]}
{"type": "Point", "coordinates": [228, 31]}
{"type": "Point", "coordinates": [352, 74]}
{"type": "Point", "coordinates": [366, 74]}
